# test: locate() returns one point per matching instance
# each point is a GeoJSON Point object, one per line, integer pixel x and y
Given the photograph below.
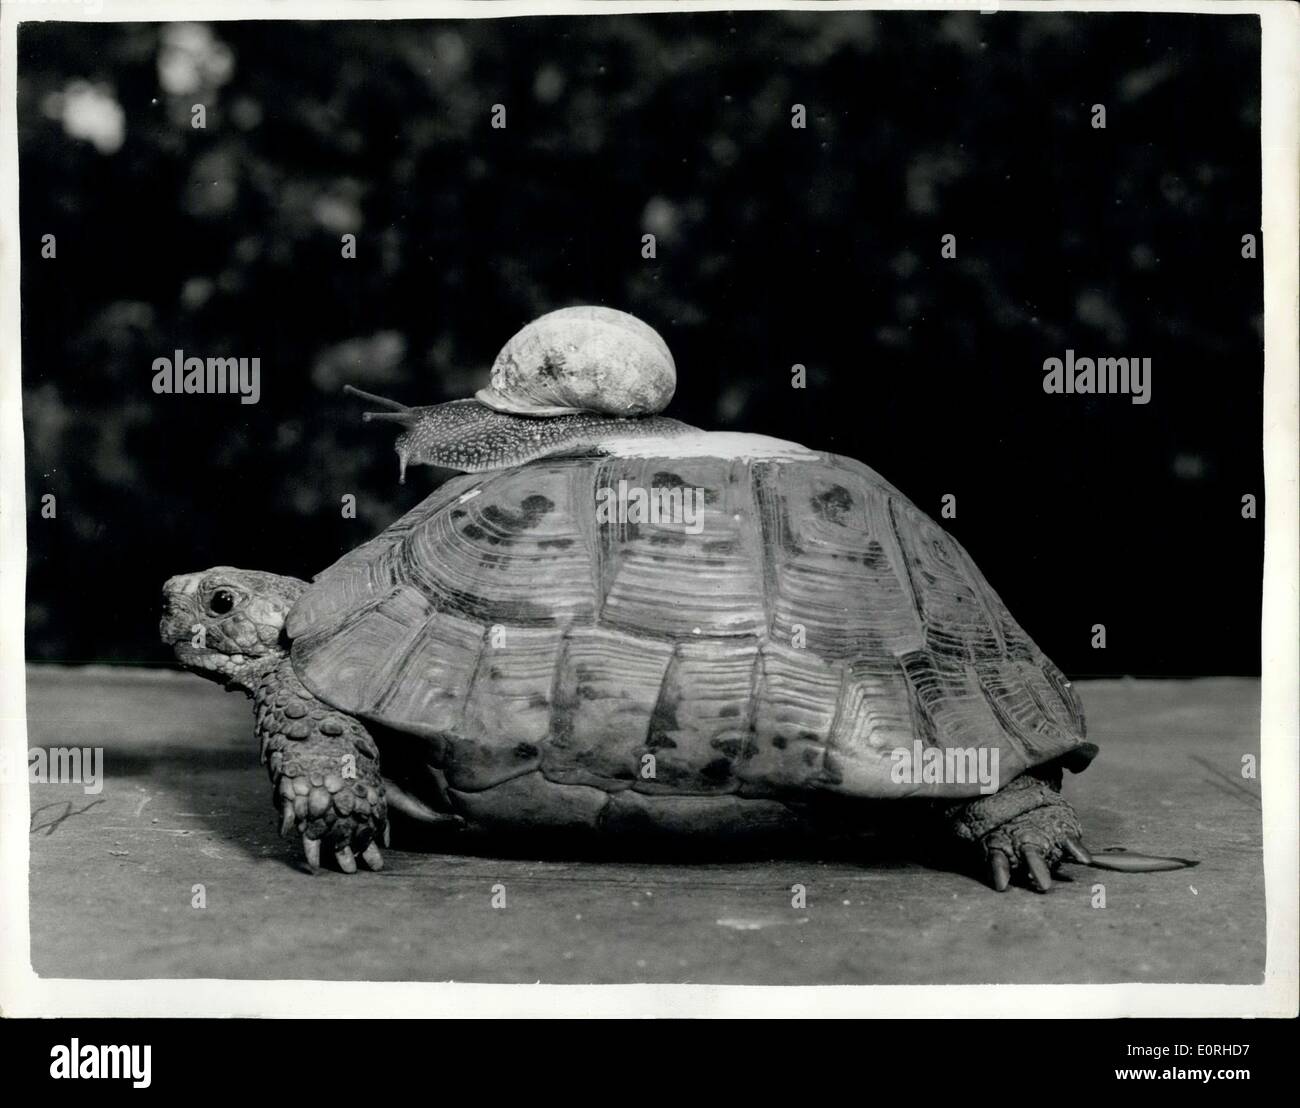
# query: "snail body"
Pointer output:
{"type": "Point", "coordinates": [572, 381]}
{"type": "Point", "coordinates": [469, 436]}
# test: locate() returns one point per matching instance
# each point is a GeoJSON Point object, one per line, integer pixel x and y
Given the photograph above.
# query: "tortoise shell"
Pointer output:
{"type": "Point", "coordinates": [815, 623]}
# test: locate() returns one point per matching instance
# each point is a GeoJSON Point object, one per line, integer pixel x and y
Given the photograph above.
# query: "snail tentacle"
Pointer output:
{"type": "Point", "coordinates": [407, 418]}
{"type": "Point", "coordinates": [395, 405]}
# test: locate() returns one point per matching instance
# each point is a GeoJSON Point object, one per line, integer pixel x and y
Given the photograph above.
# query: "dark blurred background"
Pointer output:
{"type": "Point", "coordinates": [775, 246]}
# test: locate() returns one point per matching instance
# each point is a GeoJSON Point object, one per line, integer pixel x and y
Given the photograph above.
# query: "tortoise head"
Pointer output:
{"type": "Point", "coordinates": [227, 624]}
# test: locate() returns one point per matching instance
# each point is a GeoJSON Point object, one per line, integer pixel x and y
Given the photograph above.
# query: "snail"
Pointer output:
{"type": "Point", "coordinates": [568, 382]}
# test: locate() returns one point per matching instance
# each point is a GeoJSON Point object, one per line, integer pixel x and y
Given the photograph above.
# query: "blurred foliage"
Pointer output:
{"type": "Point", "coordinates": [775, 246]}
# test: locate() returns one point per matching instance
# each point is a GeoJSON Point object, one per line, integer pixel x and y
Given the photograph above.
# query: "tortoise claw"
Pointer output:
{"type": "Point", "coordinates": [372, 857]}
{"type": "Point", "coordinates": [287, 820]}
{"type": "Point", "coordinates": [347, 863]}
{"type": "Point", "coordinates": [1036, 864]}
{"type": "Point", "coordinates": [311, 848]}
{"type": "Point", "coordinates": [1000, 868]}
{"type": "Point", "coordinates": [1076, 850]}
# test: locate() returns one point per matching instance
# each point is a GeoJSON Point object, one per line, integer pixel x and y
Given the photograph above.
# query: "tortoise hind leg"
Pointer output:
{"type": "Point", "coordinates": [1026, 829]}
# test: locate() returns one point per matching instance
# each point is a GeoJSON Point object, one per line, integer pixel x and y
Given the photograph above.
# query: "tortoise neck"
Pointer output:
{"type": "Point", "coordinates": [254, 673]}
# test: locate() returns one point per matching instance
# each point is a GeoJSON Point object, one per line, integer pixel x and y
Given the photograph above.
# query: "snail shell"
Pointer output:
{"type": "Point", "coordinates": [583, 359]}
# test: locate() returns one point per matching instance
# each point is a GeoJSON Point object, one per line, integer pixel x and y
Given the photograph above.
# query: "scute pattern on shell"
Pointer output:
{"type": "Point", "coordinates": [582, 359]}
{"type": "Point", "coordinates": [544, 655]}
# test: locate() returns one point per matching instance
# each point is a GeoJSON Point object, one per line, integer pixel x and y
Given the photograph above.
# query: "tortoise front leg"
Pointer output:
{"type": "Point", "coordinates": [324, 768]}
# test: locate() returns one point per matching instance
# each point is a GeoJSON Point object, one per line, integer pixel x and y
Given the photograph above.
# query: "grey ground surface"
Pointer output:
{"type": "Point", "coordinates": [185, 803]}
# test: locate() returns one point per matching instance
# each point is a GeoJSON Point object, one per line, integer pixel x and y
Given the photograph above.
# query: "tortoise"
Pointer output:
{"type": "Point", "coordinates": [524, 651]}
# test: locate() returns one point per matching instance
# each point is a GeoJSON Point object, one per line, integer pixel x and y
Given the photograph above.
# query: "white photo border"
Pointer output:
{"type": "Point", "coordinates": [23, 993]}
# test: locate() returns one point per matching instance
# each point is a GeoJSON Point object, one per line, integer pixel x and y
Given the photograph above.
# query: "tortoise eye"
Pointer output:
{"type": "Point", "coordinates": [223, 601]}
